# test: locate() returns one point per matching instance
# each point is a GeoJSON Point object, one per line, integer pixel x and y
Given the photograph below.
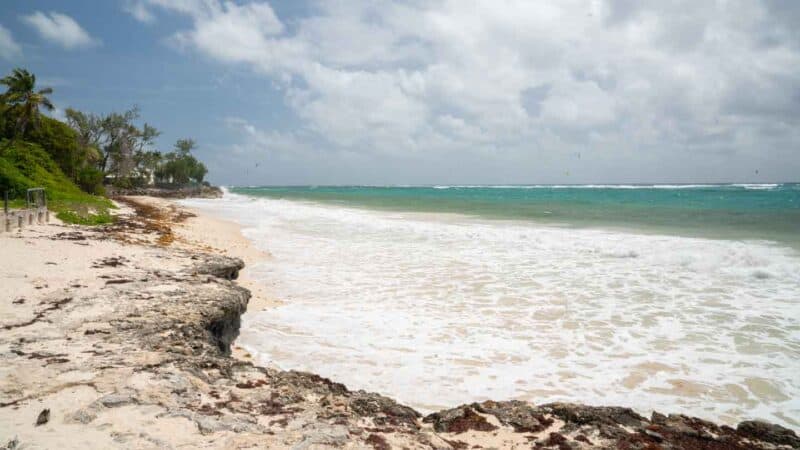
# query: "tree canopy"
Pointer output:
{"type": "Point", "coordinates": [23, 100]}
{"type": "Point", "coordinates": [180, 166]}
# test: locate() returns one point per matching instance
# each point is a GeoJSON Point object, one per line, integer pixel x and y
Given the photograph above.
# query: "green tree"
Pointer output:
{"type": "Point", "coordinates": [185, 146]}
{"type": "Point", "coordinates": [180, 167]}
{"type": "Point", "coordinates": [118, 142]}
{"type": "Point", "coordinates": [22, 98]}
{"type": "Point", "coordinates": [147, 163]}
{"type": "Point", "coordinates": [88, 127]}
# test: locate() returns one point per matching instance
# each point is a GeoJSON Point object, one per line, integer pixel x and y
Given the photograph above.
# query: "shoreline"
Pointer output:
{"type": "Point", "coordinates": [122, 334]}
{"type": "Point", "coordinates": [225, 237]}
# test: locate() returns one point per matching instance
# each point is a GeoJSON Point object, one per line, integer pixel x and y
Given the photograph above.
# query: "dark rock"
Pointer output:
{"type": "Point", "coordinates": [555, 440]}
{"type": "Point", "coordinates": [584, 439]}
{"type": "Point", "coordinates": [385, 410]}
{"type": "Point", "coordinates": [658, 418]}
{"type": "Point", "coordinates": [690, 426]}
{"type": "Point", "coordinates": [768, 432]}
{"type": "Point", "coordinates": [523, 417]}
{"type": "Point", "coordinates": [44, 417]}
{"type": "Point", "coordinates": [224, 328]}
{"type": "Point", "coordinates": [459, 420]}
{"type": "Point", "coordinates": [607, 415]}
{"type": "Point", "coordinates": [377, 442]}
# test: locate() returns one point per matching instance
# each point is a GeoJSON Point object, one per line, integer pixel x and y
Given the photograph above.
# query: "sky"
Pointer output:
{"type": "Point", "coordinates": [435, 92]}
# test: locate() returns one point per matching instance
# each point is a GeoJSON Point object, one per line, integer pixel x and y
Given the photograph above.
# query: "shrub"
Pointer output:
{"type": "Point", "coordinates": [90, 180]}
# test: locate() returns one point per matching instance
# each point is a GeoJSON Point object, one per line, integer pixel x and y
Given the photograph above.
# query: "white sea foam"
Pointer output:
{"type": "Point", "coordinates": [763, 186]}
{"type": "Point", "coordinates": [438, 310]}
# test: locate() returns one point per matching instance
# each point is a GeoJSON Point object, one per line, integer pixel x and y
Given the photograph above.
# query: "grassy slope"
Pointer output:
{"type": "Point", "coordinates": [24, 165]}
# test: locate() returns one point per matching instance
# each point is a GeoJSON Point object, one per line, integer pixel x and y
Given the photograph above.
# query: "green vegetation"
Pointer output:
{"type": "Point", "coordinates": [179, 167]}
{"type": "Point", "coordinates": [25, 165]}
{"type": "Point", "coordinates": [22, 98]}
{"type": "Point", "coordinates": [76, 161]}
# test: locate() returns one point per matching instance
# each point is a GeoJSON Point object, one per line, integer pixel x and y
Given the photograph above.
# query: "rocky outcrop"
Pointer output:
{"type": "Point", "coordinates": [170, 192]}
{"type": "Point", "coordinates": [573, 426]}
{"type": "Point", "coordinates": [220, 267]}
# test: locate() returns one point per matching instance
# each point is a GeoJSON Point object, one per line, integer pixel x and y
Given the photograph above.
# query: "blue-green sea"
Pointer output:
{"type": "Point", "coordinates": [728, 211]}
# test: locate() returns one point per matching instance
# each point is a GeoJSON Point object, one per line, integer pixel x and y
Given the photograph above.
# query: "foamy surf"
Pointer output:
{"type": "Point", "coordinates": [438, 310]}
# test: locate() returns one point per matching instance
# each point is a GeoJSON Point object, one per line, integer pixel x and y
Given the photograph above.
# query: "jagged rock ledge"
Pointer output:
{"type": "Point", "coordinates": [177, 192]}
{"type": "Point", "coordinates": [141, 360]}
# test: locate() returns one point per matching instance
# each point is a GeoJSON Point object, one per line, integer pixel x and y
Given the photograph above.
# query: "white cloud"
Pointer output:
{"type": "Point", "coordinates": [234, 33]}
{"type": "Point", "coordinates": [139, 11]}
{"type": "Point", "coordinates": [640, 80]}
{"type": "Point", "coordinates": [9, 49]}
{"type": "Point", "coordinates": [60, 29]}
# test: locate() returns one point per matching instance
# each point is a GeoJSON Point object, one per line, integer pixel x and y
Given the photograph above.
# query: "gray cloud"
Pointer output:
{"type": "Point", "coordinates": [527, 85]}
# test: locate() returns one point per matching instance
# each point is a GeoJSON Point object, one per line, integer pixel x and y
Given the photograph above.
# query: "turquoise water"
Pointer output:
{"type": "Point", "coordinates": [727, 211]}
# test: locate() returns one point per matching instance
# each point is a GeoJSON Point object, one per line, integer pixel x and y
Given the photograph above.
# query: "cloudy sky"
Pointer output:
{"type": "Point", "coordinates": [421, 92]}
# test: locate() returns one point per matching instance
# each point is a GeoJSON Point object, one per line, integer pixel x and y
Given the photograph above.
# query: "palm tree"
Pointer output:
{"type": "Point", "coordinates": [22, 97]}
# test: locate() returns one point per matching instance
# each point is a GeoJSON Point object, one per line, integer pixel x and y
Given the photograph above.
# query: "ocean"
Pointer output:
{"type": "Point", "coordinates": [677, 298]}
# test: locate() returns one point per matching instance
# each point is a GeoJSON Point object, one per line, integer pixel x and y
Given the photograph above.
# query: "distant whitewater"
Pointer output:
{"type": "Point", "coordinates": [682, 298]}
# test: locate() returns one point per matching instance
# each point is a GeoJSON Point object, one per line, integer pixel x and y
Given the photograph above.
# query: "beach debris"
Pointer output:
{"type": "Point", "coordinates": [119, 281]}
{"type": "Point", "coordinates": [114, 261]}
{"type": "Point", "coordinates": [44, 417]}
{"type": "Point", "coordinates": [69, 236]}
{"type": "Point", "coordinates": [13, 444]}
{"type": "Point", "coordinates": [39, 315]}
{"type": "Point", "coordinates": [19, 301]}
{"type": "Point", "coordinates": [95, 331]}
